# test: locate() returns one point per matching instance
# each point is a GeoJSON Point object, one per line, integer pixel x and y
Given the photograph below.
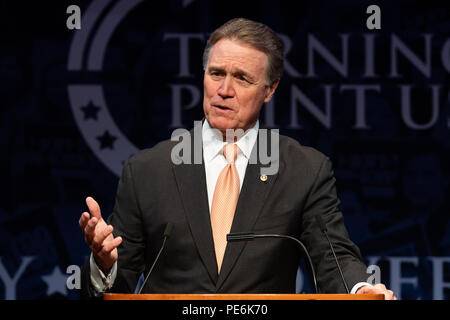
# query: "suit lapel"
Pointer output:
{"type": "Point", "coordinates": [251, 201]}
{"type": "Point", "coordinates": [191, 181]}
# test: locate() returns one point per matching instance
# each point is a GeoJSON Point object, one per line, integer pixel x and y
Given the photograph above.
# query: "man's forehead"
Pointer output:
{"type": "Point", "coordinates": [228, 53]}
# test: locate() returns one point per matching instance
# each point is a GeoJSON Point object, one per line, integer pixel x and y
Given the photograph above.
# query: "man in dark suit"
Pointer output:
{"type": "Point", "coordinates": [226, 192]}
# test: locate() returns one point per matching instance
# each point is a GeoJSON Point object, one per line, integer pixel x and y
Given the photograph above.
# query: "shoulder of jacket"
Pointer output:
{"type": "Point", "coordinates": [294, 148]}
{"type": "Point", "coordinates": [159, 154]}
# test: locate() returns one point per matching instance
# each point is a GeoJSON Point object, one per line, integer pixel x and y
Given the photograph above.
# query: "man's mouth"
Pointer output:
{"type": "Point", "coordinates": [222, 107]}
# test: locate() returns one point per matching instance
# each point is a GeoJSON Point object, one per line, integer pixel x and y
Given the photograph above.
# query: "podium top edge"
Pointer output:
{"type": "Point", "coordinates": [241, 296]}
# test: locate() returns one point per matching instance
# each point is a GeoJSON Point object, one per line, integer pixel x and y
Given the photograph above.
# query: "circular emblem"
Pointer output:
{"type": "Point", "coordinates": [87, 101]}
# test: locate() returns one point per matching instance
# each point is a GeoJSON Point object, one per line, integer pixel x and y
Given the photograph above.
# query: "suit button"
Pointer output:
{"type": "Point", "coordinates": [263, 177]}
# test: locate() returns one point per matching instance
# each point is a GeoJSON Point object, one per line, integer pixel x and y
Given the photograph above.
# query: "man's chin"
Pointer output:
{"type": "Point", "coordinates": [221, 123]}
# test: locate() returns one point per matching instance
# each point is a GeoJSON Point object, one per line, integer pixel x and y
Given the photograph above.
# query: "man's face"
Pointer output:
{"type": "Point", "coordinates": [235, 86]}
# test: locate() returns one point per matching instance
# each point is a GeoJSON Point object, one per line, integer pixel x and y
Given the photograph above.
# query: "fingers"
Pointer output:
{"type": "Point", "coordinates": [100, 237]}
{"type": "Point", "coordinates": [389, 295]}
{"type": "Point", "coordinates": [379, 289]}
{"type": "Point", "coordinates": [107, 255]}
{"type": "Point", "coordinates": [109, 246]}
{"type": "Point", "coordinates": [83, 220]}
{"type": "Point", "coordinates": [89, 230]}
{"type": "Point", "coordinates": [101, 242]}
{"type": "Point", "coordinates": [94, 208]}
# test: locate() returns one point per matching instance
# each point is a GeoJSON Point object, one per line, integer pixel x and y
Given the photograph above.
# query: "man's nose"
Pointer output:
{"type": "Point", "coordinates": [226, 89]}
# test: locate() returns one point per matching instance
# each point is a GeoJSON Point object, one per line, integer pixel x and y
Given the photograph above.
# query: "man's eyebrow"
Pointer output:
{"type": "Point", "coordinates": [215, 68]}
{"type": "Point", "coordinates": [237, 71]}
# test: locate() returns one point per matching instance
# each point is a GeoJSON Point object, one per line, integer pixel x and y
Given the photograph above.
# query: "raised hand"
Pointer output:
{"type": "Point", "coordinates": [98, 235]}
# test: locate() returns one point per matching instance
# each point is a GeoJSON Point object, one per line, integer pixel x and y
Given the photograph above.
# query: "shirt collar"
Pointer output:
{"type": "Point", "coordinates": [213, 141]}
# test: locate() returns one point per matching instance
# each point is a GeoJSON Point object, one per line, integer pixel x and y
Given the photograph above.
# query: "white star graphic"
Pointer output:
{"type": "Point", "coordinates": [56, 282]}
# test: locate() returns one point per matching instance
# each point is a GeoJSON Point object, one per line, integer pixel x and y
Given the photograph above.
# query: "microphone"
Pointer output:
{"type": "Point", "coordinates": [324, 230]}
{"type": "Point", "coordinates": [245, 236]}
{"type": "Point", "coordinates": [167, 231]}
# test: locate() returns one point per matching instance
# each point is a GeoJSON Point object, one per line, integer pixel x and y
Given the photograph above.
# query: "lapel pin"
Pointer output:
{"type": "Point", "coordinates": [263, 177]}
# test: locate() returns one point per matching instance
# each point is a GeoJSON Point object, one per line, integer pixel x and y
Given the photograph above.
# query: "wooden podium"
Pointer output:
{"type": "Point", "coordinates": [118, 296]}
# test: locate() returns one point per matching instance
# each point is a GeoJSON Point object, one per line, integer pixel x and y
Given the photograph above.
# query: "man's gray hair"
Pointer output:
{"type": "Point", "coordinates": [254, 34]}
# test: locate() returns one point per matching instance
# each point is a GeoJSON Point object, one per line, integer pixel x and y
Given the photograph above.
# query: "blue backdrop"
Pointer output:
{"type": "Point", "coordinates": [76, 103]}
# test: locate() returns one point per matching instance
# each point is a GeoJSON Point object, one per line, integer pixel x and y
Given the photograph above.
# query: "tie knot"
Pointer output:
{"type": "Point", "coordinates": [230, 152]}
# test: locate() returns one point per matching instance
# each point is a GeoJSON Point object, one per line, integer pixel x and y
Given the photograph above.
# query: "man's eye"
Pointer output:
{"type": "Point", "coordinates": [242, 78]}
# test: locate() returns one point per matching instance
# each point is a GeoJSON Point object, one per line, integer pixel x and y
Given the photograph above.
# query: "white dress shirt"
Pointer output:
{"type": "Point", "coordinates": [214, 162]}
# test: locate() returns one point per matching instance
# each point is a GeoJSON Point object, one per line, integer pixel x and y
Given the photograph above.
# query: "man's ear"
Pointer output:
{"type": "Point", "coordinates": [270, 90]}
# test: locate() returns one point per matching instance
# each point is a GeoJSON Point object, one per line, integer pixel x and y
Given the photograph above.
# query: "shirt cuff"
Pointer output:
{"type": "Point", "coordinates": [359, 285]}
{"type": "Point", "coordinates": [100, 282]}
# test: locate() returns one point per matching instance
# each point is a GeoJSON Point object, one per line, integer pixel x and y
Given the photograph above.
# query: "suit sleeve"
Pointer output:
{"type": "Point", "coordinates": [322, 200]}
{"type": "Point", "coordinates": [127, 222]}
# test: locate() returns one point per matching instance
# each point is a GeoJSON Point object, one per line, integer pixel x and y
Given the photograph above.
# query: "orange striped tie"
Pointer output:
{"type": "Point", "coordinates": [224, 202]}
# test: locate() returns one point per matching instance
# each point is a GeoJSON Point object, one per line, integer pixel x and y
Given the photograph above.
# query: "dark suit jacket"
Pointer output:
{"type": "Point", "coordinates": [153, 191]}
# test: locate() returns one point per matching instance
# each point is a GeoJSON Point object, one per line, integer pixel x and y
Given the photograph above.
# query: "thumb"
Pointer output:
{"type": "Point", "coordinates": [94, 208]}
